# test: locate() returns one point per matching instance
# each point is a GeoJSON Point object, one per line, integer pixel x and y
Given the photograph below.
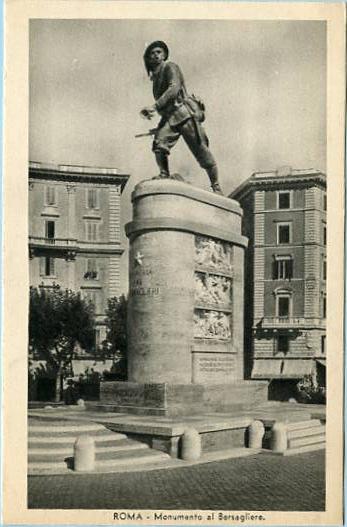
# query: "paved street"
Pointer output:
{"type": "Point", "coordinates": [259, 482]}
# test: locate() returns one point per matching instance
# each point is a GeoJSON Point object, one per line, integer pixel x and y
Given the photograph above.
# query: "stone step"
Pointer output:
{"type": "Point", "coordinates": [36, 427]}
{"type": "Point", "coordinates": [58, 453]}
{"type": "Point", "coordinates": [139, 458]}
{"type": "Point", "coordinates": [60, 442]}
{"type": "Point", "coordinates": [304, 441]}
{"type": "Point", "coordinates": [303, 449]}
{"type": "Point", "coordinates": [51, 447]}
{"type": "Point", "coordinates": [305, 432]}
{"type": "Point", "coordinates": [61, 433]}
{"type": "Point", "coordinates": [99, 456]}
{"type": "Point", "coordinates": [299, 425]}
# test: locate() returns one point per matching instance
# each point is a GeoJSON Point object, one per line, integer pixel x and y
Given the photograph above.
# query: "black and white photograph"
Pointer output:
{"type": "Point", "coordinates": [176, 332]}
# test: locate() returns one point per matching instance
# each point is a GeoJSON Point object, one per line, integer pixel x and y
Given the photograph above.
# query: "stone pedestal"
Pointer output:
{"type": "Point", "coordinates": [185, 310]}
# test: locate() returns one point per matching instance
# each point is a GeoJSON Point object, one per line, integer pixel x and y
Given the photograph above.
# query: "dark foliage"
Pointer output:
{"type": "Point", "coordinates": [58, 321]}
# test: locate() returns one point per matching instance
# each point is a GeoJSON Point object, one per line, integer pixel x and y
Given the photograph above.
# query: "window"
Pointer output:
{"type": "Point", "coordinates": [91, 296]}
{"type": "Point", "coordinates": [47, 267]}
{"type": "Point", "coordinates": [283, 233]}
{"type": "Point", "coordinates": [92, 231]}
{"type": "Point", "coordinates": [283, 306]}
{"type": "Point", "coordinates": [322, 344]}
{"type": "Point", "coordinates": [92, 198]}
{"type": "Point", "coordinates": [91, 269]}
{"type": "Point", "coordinates": [324, 306]}
{"type": "Point", "coordinates": [283, 199]}
{"type": "Point", "coordinates": [283, 343]}
{"type": "Point", "coordinates": [50, 230]}
{"type": "Point", "coordinates": [324, 201]}
{"type": "Point", "coordinates": [282, 268]}
{"type": "Point", "coordinates": [324, 269]}
{"type": "Point", "coordinates": [324, 234]}
{"type": "Point", "coordinates": [50, 195]}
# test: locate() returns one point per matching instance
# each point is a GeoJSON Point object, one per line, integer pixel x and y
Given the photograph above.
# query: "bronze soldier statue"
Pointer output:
{"type": "Point", "coordinates": [181, 114]}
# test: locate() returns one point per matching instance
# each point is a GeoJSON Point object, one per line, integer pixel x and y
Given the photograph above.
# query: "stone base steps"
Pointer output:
{"type": "Point", "coordinates": [305, 436]}
{"type": "Point", "coordinates": [51, 447]}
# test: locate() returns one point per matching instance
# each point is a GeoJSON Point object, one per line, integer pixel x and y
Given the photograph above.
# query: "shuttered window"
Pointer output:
{"type": "Point", "coordinates": [91, 269]}
{"type": "Point", "coordinates": [50, 195]}
{"type": "Point", "coordinates": [92, 231]}
{"type": "Point", "coordinates": [93, 297]}
{"type": "Point", "coordinates": [47, 266]}
{"type": "Point", "coordinates": [282, 268]}
{"type": "Point", "coordinates": [92, 198]}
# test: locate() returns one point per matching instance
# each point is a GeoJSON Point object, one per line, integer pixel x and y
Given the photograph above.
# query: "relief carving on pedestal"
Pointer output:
{"type": "Point", "coordinates": [211, 324]}
{"type": "Point", "coordinates": [212, 254]}
{"type": "Point", "coordinates": [212, 289]}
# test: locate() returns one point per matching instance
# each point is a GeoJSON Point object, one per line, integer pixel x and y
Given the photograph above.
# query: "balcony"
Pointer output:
{"type": "Point", "coordinates": [74, 245]}
{"type": "Point", "coordinates": [56, 243]}
{"type": "Point", "coordinates": [290, 322]}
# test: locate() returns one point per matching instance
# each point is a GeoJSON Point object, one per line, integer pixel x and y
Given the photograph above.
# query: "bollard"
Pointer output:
{"type": "Point", "coordinates": [256, 431]}
{"type": "Point", "coordinates": [191, 445]}
{"type": "Point", "coordinates": [84, 453]}
{"type": "Point", "coordinates": [279, 437]}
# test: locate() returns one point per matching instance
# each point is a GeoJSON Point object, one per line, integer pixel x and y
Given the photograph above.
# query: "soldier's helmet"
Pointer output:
{"type": "Point", "coordinates": [155, 44]}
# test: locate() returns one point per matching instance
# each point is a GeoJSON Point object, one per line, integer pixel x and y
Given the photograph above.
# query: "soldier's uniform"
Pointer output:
{"type": "Point", "coordinates": [178, 118]}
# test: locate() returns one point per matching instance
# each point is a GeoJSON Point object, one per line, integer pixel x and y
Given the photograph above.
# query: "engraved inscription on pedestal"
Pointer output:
{"type": "Point", "coordinates": [213, 368]}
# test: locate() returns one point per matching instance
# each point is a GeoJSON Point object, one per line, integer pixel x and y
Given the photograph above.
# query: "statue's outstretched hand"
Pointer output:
{"type": "Point", "coordinates": [147, 112]}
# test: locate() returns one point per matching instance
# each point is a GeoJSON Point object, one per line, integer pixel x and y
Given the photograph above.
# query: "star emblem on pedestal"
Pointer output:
{"type": "Point", "coordinates": [138, 258]}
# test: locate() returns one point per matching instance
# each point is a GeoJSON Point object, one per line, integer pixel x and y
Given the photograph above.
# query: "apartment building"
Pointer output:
{"type": "Point", "coordinates": [285, 275]}
{"type": "Point", "coordinates": [74, 231]}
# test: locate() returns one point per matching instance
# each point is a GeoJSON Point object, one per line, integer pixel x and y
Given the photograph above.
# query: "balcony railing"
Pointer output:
{"type": "Point", "coordinates": [57, 242]}
{"type": "Point", "coordinates": [279, 322]}
{"type": "Point", "coordinates": [72, 244]}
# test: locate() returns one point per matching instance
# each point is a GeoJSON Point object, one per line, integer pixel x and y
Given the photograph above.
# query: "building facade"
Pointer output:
{"type": "Point", "coordinates": [285, 275]}
{"type": "Point", "coordinates": [74, 232]}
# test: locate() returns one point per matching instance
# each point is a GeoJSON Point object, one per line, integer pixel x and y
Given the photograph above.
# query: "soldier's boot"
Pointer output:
{"type": "Point", "coordinates": [162, 160]}
{"type": "Point", "coordinates": [213, 175]}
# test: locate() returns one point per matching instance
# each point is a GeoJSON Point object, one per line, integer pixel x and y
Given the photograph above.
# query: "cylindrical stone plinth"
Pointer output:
{"type": "Point", "coordinates": [184, 246]}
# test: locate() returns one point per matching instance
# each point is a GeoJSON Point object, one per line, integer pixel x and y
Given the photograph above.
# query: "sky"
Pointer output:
{"type": "Point", "coordinates": [263, 84]}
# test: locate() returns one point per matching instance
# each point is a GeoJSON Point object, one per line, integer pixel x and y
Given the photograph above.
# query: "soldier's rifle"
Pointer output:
{"type": "Point", "coordinates": [150, 132]}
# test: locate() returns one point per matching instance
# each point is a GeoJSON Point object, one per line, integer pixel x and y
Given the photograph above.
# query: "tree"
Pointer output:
{"type": "Point", "coordinates": [58, 321]}
{"type": "Point", "coordinates": [116, 336]}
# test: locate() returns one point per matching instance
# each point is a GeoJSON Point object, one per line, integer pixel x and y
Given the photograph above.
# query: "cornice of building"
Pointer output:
{"type": "Point", "coordinates": [77, 174]}
{"type": "Point", "coordinates": [278, 180]}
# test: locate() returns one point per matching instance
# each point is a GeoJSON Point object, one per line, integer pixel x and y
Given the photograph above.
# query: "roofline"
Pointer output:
{"type": "Point", "coordinates": [269, 179]}
{"type": "Point", "coordinates": [77, 173]}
